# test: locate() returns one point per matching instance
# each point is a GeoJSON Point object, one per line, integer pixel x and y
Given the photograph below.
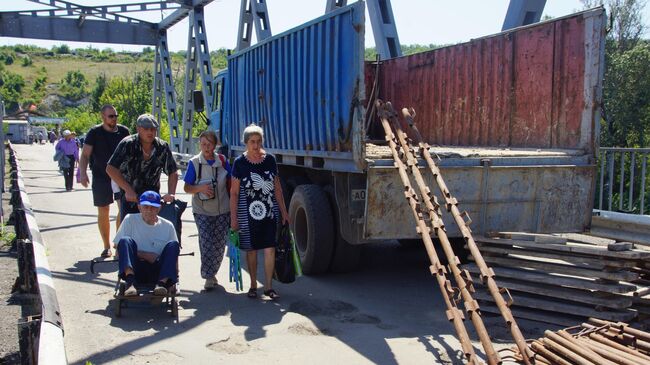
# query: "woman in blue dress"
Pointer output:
{"type": "Point", "coordinates": [256, 204]}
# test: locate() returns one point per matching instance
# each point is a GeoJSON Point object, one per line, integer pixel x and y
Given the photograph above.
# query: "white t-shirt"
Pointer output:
{"type": "Point", "coordinates": [150, 238]}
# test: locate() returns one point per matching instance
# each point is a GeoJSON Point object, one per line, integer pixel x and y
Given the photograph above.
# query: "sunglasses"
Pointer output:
{"type": "Point", "coordinates": [112, 116]}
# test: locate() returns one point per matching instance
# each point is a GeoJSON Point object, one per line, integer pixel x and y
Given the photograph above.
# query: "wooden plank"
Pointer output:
{"type": "Point", "coordinates": [598, 263]}
{"type": "Point", "coordinates": [576, 295]}
{"type": "Point", "coordinates": [570, 247]}
{"type": "Point", "coordinates": [535, 315]}
{"type": "Point", "coordinates": [561, 269]}
{"type": "Point", "coordinates": [527, 301]}
{"type": "Point", "coordinates": [534, 237]}
{"type": "Point", "coordinates": [566, 281]}
{"type": "Point", "coordinates": [584, 238]}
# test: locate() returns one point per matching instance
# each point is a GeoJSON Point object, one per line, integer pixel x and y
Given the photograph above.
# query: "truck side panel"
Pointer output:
{"type": "Point", "coordinates": [533, 198]}
{"type": "Point", "coordinates": [530, 87]}
{"type": "Point", "coordinates": [303, 88]}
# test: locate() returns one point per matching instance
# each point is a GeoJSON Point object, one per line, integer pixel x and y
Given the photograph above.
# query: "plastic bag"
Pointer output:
{"type": "Point", "coordinates": [234, 259]}
{"type": "Point", "coordinates": [285, 271]}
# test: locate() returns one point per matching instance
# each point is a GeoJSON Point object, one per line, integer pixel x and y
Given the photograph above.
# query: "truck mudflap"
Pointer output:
{"type": "Point", "coordinates": [522, 198]}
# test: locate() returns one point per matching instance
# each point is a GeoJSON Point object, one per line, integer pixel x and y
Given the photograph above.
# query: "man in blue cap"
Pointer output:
{"type": "Point", "coordinates": [147, 247]}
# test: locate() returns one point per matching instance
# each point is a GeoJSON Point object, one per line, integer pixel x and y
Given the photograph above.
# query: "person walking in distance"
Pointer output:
{"type": "Point", "coordinates": [68, 147]}
{"type": "Point", "coordinates": [138, 162]}
{"type": "Point", "coordinates": [208, 180]}
{"type": "Point", "coordinates": [100, 143]}
{"type": "Point", "coordinates": [256, 205]}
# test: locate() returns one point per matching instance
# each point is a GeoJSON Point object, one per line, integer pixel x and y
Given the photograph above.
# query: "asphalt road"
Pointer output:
{"type": "Point", "coordinates": [387, 312]}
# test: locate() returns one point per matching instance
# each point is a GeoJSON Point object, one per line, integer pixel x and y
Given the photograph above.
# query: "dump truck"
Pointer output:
{"type": "Point", "coordinates": [513, 118]}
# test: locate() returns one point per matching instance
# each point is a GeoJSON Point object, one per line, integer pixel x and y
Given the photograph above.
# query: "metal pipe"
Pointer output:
{"type": "Point", "coordinates": [487, 275]}
{"type": "Point", "coordinates": [571, 343]}
{"type": "Point", "coordinates": [643, 165]}
{"type": "Point", "coordinates": [621, 326]}
{"type": "Point", "coordinates": [559, 348]}
{"type": "Point", "coordinates": [622, 183]}
{"type": "Point", "coordinates": [602, 339]}
{"type": "Point", "coordinates": [603, 161]}
{"type": "Point", "coordinates": [436, 268]}
{"type": "Point", "coordinates": [539, 348]}
{"type": "Point", "coordinates": [631, 192]}
{"type": "Point", "coordinates": [471, 306]}
{"type": "Point", "coordinates": [610, 187]}
{"type": "Point", "coordinates": [607, 353]}
{"type": "Point", "coordinates": [618, 352]}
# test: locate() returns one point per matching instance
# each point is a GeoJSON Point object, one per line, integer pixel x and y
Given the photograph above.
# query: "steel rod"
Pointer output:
{"type": "Point", "coordinates": [539, 348]}
{"type": "Point", "coordinates": [607, 353]}
{"type": "Point", "coordinates": [610, 187]}
{"type": "Point", "coordinates": [603, 161]}
{"type": "Point", "coordinates": [643, 167]}
{"type": "Point", "coordinates": [630, 198]}
{"type": "Point", "coordinates": [565, 352]}
{"type": "Point", "coordinates": [615, 345]}
{"type": "Point", "coordinates": [571, 343]}
{"type": "Point", "coordinates": [487, 274]}
{"type": "Point", "coordinates": [622, 183]}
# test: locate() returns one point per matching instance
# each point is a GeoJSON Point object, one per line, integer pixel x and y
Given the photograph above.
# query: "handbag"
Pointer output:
{"type": "Point", "coordinates": [285, 271]}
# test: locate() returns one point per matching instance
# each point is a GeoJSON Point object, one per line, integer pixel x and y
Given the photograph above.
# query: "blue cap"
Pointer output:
{"type": "Point", "coordinates": [151, 198]}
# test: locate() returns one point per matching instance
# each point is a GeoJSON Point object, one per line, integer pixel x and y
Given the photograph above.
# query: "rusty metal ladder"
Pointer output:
{"type": "Point", "coordinates": [406, 160]}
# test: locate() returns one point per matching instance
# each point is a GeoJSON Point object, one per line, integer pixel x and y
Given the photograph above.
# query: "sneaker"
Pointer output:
{"type": "Point", "coordinates": [210, 283]}
{"type": "Point", "coordinates": [130, 291]}
{"type": "Point", "coordinates": [159, 290]}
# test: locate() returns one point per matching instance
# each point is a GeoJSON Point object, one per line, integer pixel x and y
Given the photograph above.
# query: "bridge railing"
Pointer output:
{"type": "Point", "coordinates": [623, 182]}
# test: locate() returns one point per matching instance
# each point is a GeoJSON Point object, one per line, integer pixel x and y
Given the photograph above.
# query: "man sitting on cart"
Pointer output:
{"type": "Point", "coordinates": [147, 248]}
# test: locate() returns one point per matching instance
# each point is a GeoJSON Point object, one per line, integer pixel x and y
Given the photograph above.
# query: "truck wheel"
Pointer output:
{"type": "Point", "coordinates": [313, 228]}
{"type": "Point", "coordinates": [346, 256]}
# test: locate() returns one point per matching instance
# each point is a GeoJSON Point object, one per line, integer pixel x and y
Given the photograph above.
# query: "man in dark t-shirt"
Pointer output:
{"type": "Point", "coordinates": [101, 140]}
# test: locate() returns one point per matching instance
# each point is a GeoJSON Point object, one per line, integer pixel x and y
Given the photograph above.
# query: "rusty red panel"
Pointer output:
{"type": "Point", "coordinates": [523, 88]}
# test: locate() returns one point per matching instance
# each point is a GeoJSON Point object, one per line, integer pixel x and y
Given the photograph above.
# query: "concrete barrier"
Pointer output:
{"type": "Point", "coordinates": [44, 344]}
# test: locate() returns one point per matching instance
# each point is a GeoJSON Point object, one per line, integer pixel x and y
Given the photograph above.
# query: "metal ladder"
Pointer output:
{"type": "Point", "coordinates": [429, 220]}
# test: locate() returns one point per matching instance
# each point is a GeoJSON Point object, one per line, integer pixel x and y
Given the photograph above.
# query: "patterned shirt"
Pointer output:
{"type": "Point", "coordinates": [143, 174]}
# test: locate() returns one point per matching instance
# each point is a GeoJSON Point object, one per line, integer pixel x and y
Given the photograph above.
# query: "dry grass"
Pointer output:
{"type": "Point", "coordinates": [58, 67]}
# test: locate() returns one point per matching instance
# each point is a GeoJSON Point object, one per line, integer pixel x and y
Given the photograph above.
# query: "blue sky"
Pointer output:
{"type": "Point", "coordinates": [418, 21]}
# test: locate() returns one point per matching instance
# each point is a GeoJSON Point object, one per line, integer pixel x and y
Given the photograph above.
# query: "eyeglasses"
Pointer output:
{"type": "Point", "coordinates": [112, 116]}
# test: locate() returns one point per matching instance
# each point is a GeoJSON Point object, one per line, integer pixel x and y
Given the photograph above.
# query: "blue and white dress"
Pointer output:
{"type": "Point", "coordinates": [257, 209]}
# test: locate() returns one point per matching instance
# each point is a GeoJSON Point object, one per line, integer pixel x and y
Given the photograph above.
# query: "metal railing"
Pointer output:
{"type": "Point", "coordinates": [622, 180]}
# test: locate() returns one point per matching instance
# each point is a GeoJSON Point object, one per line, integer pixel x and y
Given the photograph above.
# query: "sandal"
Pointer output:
{"type": "Point", "coordinates": [272, 294]}
{"type": "Point", "coordinates": [106, 253]}
{"type": "Point", "coordinates": [252, 293]}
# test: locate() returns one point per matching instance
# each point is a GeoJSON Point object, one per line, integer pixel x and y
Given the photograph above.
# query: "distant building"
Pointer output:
{"type": "Point", "coordinates": [18, 131]}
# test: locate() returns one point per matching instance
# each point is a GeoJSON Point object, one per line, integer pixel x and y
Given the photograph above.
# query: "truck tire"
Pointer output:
{"type": "Point", "coordinates": [345, 257]}
{"type": "Point", "coordinates": [313, 227]}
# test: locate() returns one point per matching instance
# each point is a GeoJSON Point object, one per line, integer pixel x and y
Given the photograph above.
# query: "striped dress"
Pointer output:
{"type": "Point", "coordinates": [257, 209]}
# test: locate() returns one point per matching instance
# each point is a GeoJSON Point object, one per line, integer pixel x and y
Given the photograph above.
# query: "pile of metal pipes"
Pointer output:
{"type": "Point", "coordinates": [597, 342]}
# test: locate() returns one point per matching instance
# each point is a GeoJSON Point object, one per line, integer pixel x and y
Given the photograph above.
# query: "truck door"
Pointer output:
{"type": "Point", "coordinates": [217, 115]}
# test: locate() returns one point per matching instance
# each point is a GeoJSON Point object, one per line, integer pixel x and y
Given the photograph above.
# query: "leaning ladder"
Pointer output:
{"type": "Point", "coordinates": [406, 160]}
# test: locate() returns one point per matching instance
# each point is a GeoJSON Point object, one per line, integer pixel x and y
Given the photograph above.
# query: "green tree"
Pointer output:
{"type": "Point", "coordinates": [74, 84]}
{"type": "Point", "coordinates": [131, 96]}
{"type": "Point", "coordinates": [11, 88]}
{"type": "Point", "coordinates": [80, 119]}
{"type": "Point", "coordinates": [97, 91]}
{"type": "Point", "coordinates": [626, 95]}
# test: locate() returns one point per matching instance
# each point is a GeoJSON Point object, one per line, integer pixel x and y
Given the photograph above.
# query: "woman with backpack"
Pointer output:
{"type": "Point", "coordinates": [208, 180]}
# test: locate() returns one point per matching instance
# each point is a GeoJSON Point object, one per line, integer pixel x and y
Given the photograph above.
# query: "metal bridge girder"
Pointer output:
{"type": "Point", "coordinates": [252, 12]}
{"type": "Point", "coordinates": [334, 4]}
{"type": "Point", "coordinates": [13, 24]}
{"type": "Point", "coordinates": [523, 12]}
{"type": "Point", "coordinates": [164, 83]}
{"type": "Point", "coordinates": [198, 59]}
{"type": "Point", "coordinates": [384, 29]}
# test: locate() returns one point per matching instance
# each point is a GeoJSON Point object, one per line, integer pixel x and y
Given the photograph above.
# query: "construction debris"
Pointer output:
{"type": "Point", "coordinates": [562, 281]}
{"type": "Point", "coordinates": [596, 342]}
